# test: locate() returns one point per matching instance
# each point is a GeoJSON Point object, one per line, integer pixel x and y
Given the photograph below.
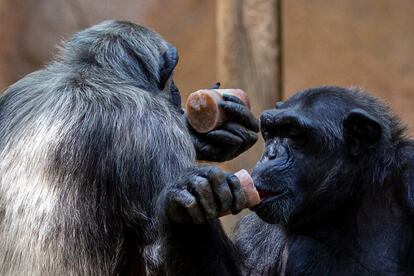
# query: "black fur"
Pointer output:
{"type": "Point", "coordinates": [337, 186]}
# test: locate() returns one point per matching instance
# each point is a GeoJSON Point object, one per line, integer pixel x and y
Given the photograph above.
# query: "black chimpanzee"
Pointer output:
{"type": "Point", "coordinates": [337, 187]}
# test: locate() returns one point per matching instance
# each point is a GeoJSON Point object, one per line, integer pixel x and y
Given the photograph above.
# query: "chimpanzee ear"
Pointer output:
{"type": "Point", "coordinates": [278, 104]}
{"type": "Point", "coordinates": [168, 62]}
{"type": "Point", "coordinates": [408, 186]}
{"type": "Point", "coordinates": [361, 131]}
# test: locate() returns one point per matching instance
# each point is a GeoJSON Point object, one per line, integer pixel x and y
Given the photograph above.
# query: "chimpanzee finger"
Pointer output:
{"type": "Point", "coordinates": [201, 189]}
{"type": "Point", "coordinates": [239, 197]}
{"type": "Point", "coordinates": [248, 137]}
{"type": "Point", "coordinates": [223, 137]}
{"type": "Point", "coordinates": [232, 98]}
{"type": "Point", "coordinates": [221, 189]}
{"type": "Point", "coordinates": [196, 214]}
{"type": "Point", "coordinates": [182, 207]}
{"type": "Point", "coordinates": [241, 114]}
{"type": "Point", "coordinates": [240, 131]}
{"type": "Point", "coordinates": [215, 153]}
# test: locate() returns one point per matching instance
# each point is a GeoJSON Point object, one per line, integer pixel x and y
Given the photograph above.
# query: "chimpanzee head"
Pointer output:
{"type": "Point", "coordinates": [323, 147]}
{"type": "Point", "coordinates": [128, 52]}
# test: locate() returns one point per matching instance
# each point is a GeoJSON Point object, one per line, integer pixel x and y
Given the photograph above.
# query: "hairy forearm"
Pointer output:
{"type": "Point", "coordinates": [199, 250]}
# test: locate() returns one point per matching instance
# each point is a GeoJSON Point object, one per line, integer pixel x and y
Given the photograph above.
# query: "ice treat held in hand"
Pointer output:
{"type": "Point", "coordinates": [246, 182]}
{"type": "Point", "coordinates": [204, 113]}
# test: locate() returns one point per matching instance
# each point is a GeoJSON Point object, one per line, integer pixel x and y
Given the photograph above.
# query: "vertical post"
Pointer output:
{"type": "Point", "coordinates": [249, 57]}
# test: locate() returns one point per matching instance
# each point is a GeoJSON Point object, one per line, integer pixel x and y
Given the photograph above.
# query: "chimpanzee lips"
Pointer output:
{"type": "Point", "coordinates": [264, 194]}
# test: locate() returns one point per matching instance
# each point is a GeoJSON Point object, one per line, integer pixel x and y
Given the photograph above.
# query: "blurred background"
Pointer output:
{"type": "Point", "coordinates": [270, 48]}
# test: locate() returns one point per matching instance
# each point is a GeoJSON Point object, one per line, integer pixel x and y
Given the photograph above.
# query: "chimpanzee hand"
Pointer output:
{"type": "Point", "coordinates": [201, 195]}
{"type": "Point", "coordinates": [232, 138]}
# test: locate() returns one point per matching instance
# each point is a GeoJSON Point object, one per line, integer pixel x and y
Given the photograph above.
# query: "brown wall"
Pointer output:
{"type": "Point", "coordinates": [30, 31]}
{"type": "Point", "coordinates": [367, 43]}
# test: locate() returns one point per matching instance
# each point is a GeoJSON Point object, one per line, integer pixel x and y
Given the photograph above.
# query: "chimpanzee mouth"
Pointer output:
{"type": "Point", "coordinates": [263, 194]}
{"type": "Point", "coordinates": [266, 195]}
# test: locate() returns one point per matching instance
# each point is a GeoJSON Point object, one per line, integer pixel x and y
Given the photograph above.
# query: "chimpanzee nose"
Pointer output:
{"type": "Point", "coordinates": [271, 152]}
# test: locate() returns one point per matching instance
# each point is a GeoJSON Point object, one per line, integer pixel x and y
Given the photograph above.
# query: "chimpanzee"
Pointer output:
{"type": "Point", "coordinates": [86, 146]}
{"type": "Point", "coordinates": [336, 182]}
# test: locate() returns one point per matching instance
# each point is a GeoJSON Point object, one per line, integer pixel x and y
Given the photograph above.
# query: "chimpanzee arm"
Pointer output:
{"type": "Point", "coordinates": [193, 239]}
{"type": "Point", "coordinates": [192, 249]}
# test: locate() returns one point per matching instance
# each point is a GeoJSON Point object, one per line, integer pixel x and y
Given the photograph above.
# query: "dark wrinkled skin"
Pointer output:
{"type": "Point", "coordinates": [232, 138]}
{"type": "Point", "coordinates": [204, 192]}
{"type": "Point", "coordinates": [337, 186]}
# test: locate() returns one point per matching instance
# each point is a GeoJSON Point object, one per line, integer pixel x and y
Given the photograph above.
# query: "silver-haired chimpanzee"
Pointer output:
{"type": "Point", "coordinates": [86, 146]}
{"type": "Point", "coordinates": [336, 182]}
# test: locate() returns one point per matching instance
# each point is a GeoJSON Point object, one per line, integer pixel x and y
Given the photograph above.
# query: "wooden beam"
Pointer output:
{"type": "Point", "coordinates": [249, 49]}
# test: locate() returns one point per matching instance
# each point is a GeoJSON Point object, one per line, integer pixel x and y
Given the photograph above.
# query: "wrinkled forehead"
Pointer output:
{"type": "Point", "coordinates": [323, 108]}
{"type": "Point", "coordinates": [321, 105]}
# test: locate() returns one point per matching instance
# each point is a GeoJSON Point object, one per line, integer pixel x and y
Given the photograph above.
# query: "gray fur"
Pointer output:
{"type": "Point", "coordinates": [86, 145]}
{"type": "Point", "coordinates": [265, 244]}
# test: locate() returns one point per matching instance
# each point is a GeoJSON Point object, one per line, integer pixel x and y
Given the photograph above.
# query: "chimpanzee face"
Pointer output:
{"type": "Point", "coordinates": [290, 157]}
{"type": "Point", "coordinates": [311, 142]}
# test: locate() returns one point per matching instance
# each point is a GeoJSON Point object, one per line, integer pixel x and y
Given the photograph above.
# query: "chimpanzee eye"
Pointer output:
{"type": "Point", "coordinates": [266, 135]}
{"type": "Point", "coordinates": [267, 132]}
{"type": "Point", "coordinates": [297, 143]}
{"type": "Point", "coordinates": [297, 137]}
{"type": "Point", "coordinates": [293, 133]}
